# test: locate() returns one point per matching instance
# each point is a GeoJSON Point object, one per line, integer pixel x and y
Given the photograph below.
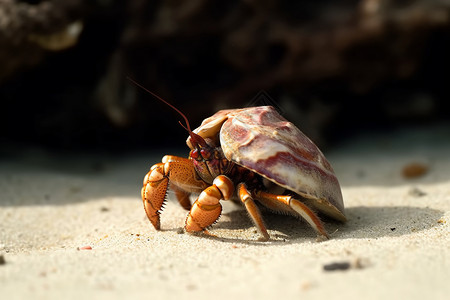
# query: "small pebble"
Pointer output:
{"type": "Point", "coordinates": [358, 263]}
{"type": "Point", "coordinates": [337, 266]}
{"type": "Point", "coordinates": [305, 285]}
{"type": "Point", "coordinates": [85, 248]}
{"type": "Point", "coordinates": [414, 170]}
{"type": "Point", "coordinates": [416, 192]}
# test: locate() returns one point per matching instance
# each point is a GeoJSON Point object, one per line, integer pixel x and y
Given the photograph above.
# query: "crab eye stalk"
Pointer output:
{"type": "Point", "coordinates": [197, 141]}
{"type": "Point", "coordinates": [200, 153]}
{"type": "Point", "coordinates": [194, 154]}
{"type": "Point", "coordinates": [206, 154]}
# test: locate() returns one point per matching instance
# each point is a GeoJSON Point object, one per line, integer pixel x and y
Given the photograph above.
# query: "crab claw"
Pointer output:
{"type": "Point", "coordinates": [154, 192]}
{"type": "Point", "coordinates": [207, 209]}
{"type": "Point", "coordinates": [180, 172]}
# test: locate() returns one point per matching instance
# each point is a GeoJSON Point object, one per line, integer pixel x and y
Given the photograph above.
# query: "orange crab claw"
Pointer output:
{"type": "Point", "coordinates": [207, 209]}
{"type": "Point", "coordinates": [154, 192]}
{"type": "Point", "coordinates": [180, 172]}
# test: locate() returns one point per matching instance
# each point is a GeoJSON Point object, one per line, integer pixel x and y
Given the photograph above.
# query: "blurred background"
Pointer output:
{"type": "Point", "coordinates": [334, 68]}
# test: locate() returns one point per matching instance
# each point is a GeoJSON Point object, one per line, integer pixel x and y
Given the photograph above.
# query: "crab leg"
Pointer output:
{"type": "Point", "coordinates": [182, 197]}
{"type": "Point", "coordinates": [253, 211]}
{"type": "Point", "coordinates": [207, 209]}
{"type": "Point", "coordinates": [180, 172]}
{"type": "Point", "coordinates": [288, 204]}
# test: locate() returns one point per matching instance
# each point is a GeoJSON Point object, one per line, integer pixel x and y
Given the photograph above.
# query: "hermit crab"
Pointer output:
{"type": "Point", "coordinates": [251, 155]}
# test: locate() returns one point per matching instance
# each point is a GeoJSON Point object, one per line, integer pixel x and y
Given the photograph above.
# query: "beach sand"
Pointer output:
{"type": "Point", "coordinates": [73, 227]}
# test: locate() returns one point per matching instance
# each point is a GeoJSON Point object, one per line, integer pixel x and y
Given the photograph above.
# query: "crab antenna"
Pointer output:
{"type": "Point", "coordinates": [195, 137]}
{"type": "Point", "coordinates": [159, 98]}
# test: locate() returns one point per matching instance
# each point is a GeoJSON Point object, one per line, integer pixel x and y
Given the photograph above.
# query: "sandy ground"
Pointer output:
{"type": "Point", "coordinates": [395, 244]}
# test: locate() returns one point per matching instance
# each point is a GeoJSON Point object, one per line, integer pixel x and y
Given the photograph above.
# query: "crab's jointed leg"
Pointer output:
{"type": "Point", "coordinates": [252, 210]}
{"type": "Point", "coordinates": [181, 174]}
{"type": "Point", "coordinates": [207, 209]}
{"type": "Point", "coordinates": [182, 197]}
{"type": "Point", "coordinates": [284, 203]}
